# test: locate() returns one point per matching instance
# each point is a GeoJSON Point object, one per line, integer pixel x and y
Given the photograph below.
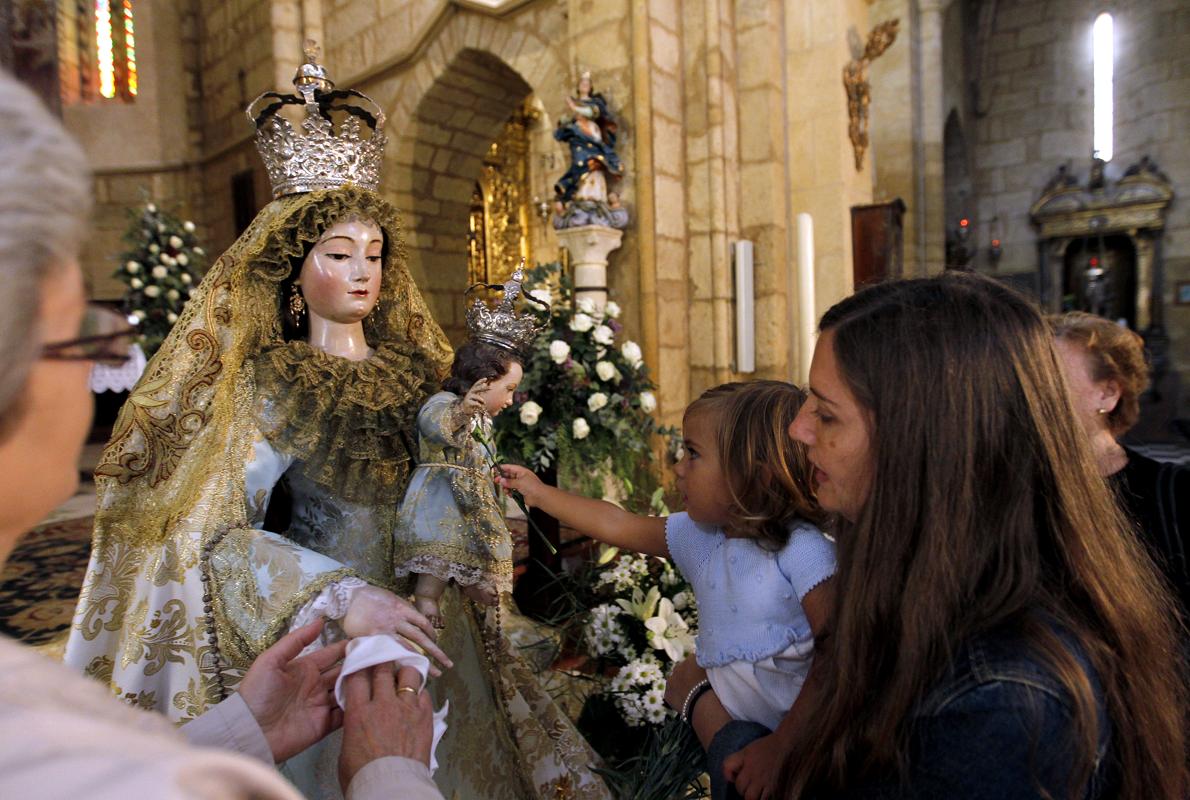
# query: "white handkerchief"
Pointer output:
{"type": "Point", "coordinates": [368, 651]}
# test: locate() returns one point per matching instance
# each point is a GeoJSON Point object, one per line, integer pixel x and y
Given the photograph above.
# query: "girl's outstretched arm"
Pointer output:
{"type": "Point", "coordinates": [596, 518]}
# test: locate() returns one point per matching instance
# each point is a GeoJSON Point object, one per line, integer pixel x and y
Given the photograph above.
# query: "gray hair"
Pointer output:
{"type": "Point", "coordinates": [45, 205]}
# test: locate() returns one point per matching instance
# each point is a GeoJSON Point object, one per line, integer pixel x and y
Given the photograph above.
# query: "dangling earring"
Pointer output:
{"type": "Point", "coordinates": [375, 310]}
{"type": "Point", "coordinates": [297, 304]}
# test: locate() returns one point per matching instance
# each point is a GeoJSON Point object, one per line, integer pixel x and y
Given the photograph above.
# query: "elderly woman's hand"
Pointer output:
{"type": "Point", "coordinates": [384, 718]}
{"type": "Point", "coordinates": [374, 610]}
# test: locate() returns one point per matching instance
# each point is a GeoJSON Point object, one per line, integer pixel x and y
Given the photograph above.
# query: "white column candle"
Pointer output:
{"type": "Point", "coordinates": [807, 320]}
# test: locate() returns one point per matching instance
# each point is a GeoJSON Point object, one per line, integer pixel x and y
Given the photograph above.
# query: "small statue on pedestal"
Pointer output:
{"type": "Point", "coordinates": [582, 196]}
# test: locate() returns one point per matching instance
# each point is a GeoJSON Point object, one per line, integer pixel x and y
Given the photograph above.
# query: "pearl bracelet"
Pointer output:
{"type": "Point", "coordinates": [692, 697]}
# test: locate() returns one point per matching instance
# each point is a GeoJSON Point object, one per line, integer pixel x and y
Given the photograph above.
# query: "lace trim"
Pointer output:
{"type": "Point", "coordinates": [461, 574]}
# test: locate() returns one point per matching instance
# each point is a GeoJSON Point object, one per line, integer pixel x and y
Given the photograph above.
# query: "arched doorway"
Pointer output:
{"type": "Point", "coordinates": [461, 141]}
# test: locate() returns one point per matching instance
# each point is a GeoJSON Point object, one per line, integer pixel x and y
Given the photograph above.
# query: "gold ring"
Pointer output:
{"type": "Point", "coordinates": [406, 689]}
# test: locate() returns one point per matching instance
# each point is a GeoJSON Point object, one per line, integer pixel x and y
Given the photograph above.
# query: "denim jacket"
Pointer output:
{"type": "Point", "coordinates": [997, 726]}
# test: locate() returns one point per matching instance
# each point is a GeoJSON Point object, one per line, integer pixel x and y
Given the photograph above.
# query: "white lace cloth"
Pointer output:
{"type": "Point", "coordinates": [368, 651]}
{"type": "Point", "coordinates": [121, 378]}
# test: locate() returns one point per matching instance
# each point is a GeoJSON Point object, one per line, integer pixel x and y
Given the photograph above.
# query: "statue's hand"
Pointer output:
{"type": "Point", "coordinates": [374, 610]}
{"type": "Point", "coordinates": [473, 401]}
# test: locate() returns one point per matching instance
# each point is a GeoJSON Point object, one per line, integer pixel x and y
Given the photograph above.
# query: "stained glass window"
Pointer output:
{"type": "Point", "coordinates": [115, 48]}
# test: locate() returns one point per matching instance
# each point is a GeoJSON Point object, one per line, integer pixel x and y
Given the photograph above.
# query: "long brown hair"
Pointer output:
{"type": "Point", "coordinates": [767, 473]}
{"type": "Point", "coordinates": [986, 513]}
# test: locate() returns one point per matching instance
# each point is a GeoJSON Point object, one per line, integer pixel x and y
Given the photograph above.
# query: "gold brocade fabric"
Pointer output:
{"type": "Point", "coordinates": [182, 592]}
{"type": "Point", "coordinates": [351, 424]}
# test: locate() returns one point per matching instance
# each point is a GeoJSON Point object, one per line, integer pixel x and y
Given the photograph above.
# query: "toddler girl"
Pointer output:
{"type": "Point", "coordinates": [746, 543]}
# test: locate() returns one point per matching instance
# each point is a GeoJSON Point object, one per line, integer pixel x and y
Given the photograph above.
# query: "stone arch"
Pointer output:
{"type": "Point", "coordinates": [443, 118]}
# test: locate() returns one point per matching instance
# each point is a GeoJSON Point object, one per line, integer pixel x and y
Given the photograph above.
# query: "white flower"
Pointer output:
{"type": "Point", "coordinates": [182, 259]}
{"type": "Point", "coordinates": [606, 370]}
{"type": "Point", "coordinates": [173, 295]}
{"type": "Point", "coordinates": [612, 309]}
{"type": "Point", "coordinates": [641, 605]}
{"type": "Point", "coordinates": [166, 258]}
{"type": "Point", "coordinates": [185, 277]}
{"type": "Point", "coordinates": [648, 402]}
{"type": "Point", "coordinates": [160, 227]}
{"type": "Point", "coordinates": [199, 251]}
{"type": "Point", "coordinates": [138, 315]}
{"type": "Point", "coordinates": [530, 412]}
{"type": "Point", "coordinates": [586, 305]}
{"type": "Point", "coordinates": [681, 600]}
{"type": "Point", "coordinates": [596, 401]}
{"type": "Point", "coordinates": [188, 226]}
{"type": "Point", "coordinates": [132, 267]}
{"type": "Point", "coordinates": [175, 242]}
{"type": "Point", "coordinates": [543, 295]}
{"type": "Point", "coordinates": [152, 209]}
{"type": "Point", "coordinates": [160, 272]}
{"type": "Point", "coordinates": [581, 323]}
{"type": "Point", "coordinates": [669, 632]}
{"type": "Point", "coordinates": [136, 283]}
{"type": "Point", "coordinates": [580, 429]}
{"type": "Point", "coordinates": [632, 354]}
{"type": "Point", "coordinates": [603, 335]}
{"type": "Point", "coordinates": [171, 317]}
{"type": "Point", "coordinates": [559, 351]}
{"type": "Point", "coordinates": [154, 248]}
{"type": "Point", "coordinates": [152, 291]}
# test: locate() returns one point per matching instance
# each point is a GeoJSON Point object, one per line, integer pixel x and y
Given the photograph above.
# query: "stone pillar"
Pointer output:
{"type": "Point", "coordinates": [932, 190]}
{"type": "Point", "coordinates": [589, 246]}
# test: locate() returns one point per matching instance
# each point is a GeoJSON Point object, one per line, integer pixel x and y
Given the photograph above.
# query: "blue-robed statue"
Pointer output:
{"type": "Point", "coordinates": [591, 136]}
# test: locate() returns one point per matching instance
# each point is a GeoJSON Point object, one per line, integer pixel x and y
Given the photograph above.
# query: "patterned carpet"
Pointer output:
{"type": "Point", "coordinates": [40, 583]}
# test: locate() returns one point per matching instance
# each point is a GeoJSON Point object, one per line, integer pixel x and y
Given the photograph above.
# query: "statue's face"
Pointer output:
{"type": "Point", "coordinates": [584, 86]}
{"type": "Point", "coordinates": [340, 278]}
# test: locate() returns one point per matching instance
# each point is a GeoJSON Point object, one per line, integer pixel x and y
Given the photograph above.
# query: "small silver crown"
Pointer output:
{"type": "Point", "coordinates": [318, 159]}
{"type": "Point", "coordinates": [500, 325]}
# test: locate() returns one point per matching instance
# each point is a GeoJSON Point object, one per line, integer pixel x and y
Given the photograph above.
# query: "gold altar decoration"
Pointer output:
{"type": "Point", "coordinates": [498, 235]}
{"type": "Point", "coordinates": [859, 91]}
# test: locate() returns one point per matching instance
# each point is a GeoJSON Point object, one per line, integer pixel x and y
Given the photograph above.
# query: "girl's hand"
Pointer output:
{"type": "Point", "coordinates": [374, 610]}
{"type": "Point", "coordinates": [523, 480]}
{"type": "Point", "coordinates": [754, 770]}
{"type": "Point", "coordinates": [473, 403]}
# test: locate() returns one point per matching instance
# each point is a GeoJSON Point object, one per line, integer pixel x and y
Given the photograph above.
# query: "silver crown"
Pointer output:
{"type": "Point", "coordinates": [500, 325]}
{"type": "Point", "coordinates": [319, 159]}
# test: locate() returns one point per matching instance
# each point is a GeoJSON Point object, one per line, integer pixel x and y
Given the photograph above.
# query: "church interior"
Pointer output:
{"type": "Point", "coordinates": [774, 156]}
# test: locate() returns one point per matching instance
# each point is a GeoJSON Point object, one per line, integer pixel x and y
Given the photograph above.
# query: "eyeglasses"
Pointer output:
{"type": "Point", "coordinates": [104, 338]}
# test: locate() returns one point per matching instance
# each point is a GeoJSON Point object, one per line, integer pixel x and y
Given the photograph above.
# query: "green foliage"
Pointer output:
{"type": "Point", "coordinates": [669, 766]}
{"type": "Point", "coordinates": [585, 406]}
{"type": "Point", "coordinates": [161, 267]}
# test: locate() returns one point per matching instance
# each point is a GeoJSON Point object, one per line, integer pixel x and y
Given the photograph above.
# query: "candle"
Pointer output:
{"type": "Point", "coordinates": [807, 321]}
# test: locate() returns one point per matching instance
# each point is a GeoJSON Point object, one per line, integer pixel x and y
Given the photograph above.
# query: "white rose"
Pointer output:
{"type": "Point", "coordinates": [160, 272]}
{"type": "Point", "coordinates": [632, 353]}
{"type": "Point", "coordinates": [185, 277]}
{"type": "Point", "coordinates": [586, 305]}
{"type": "Point", "coordinates": [166, 258]}
{"type": "Point", "coordinates": [612, 309]}
{"type": "Point", "coordinates": [596, 401]}
{"type": "Point", "coordinates": [603, 335]}
{"type": "Point", "coordinates": [152, 209]}
{"type": "Point", "coordinates": [188, 226]}
{"type": "Point", "coordinates": [173, 295]}
{"type": "Point", "coordinates": [530, 413]}
{"type": "Point", "coordinates": [138, 315]}
{"type": "Point", "coordinates": [152, 291]}
{"type": "Point", "coordinates": [182, 259]}
{"type": "Point", "coordinates": [175, 242]}
{"type": "Point", "coordinates": [581, 323]}
{"type": "Point", "coordinates": [648, 403]}
{"type": "Point", "coordinates": [543, 295]}
{"type": "Point", "coordinates": [154, 248]}
{"type": "Point", "coordinates": [171, 317]}
{"type": "Point", "coordinates": [680, 601]}
{"type": "Point", "coordinates": [605, 370]}
{"type": "Point", "coordinates": [580, 429]}
{"type": "Point", "coordinates": [132, 267]}
{"type": "Point", "coordinates": [199, 251]}
{"type": "Point", "coordinates": [160, 228]}
{"type": "Point", "coordinates": [559, 351]}
{"type": "Point", "coordinates": [136, 283]}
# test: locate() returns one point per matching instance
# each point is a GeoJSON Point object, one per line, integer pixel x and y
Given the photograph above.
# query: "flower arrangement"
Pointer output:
{"type": "Point", "coordinates": [160, 268]}
{"type": "Point", "coordinates": [586, 401]}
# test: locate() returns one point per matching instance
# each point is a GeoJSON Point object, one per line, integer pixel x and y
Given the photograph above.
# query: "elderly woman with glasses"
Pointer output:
{"type": "Point", "coordinates": [62, 735]}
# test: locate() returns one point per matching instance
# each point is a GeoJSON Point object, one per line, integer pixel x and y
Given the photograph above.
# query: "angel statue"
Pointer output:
{"type": "Point", "coordinates": [254, 478]}
{"type": "Point", "coordinates": [591, 135]}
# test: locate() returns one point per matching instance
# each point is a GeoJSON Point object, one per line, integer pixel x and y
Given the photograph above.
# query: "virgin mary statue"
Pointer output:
{"type": "Point", "coordinates": [297, 368]}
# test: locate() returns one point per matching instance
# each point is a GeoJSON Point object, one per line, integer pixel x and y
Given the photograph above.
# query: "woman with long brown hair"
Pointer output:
{"type": "Point", "coordinates": [997, 631]}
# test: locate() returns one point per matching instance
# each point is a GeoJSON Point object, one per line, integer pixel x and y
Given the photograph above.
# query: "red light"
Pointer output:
{"type": "Point", "coordinates": [1094, 261]}
{"type": "Point", "coordinates": [964, 222]}
{"type": "Point", "coordinates": [995, 242]}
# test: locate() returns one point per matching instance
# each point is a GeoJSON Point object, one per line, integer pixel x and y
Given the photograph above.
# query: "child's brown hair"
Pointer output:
{"type": "Point", "coordinates": [768, 474]}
